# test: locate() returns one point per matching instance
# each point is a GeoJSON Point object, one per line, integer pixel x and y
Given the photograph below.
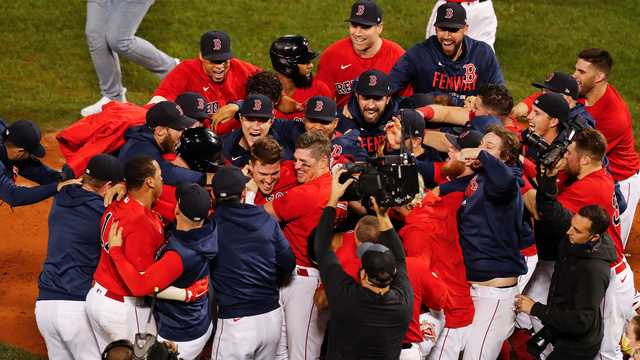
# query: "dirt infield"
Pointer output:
{"type": "Point", "coordinates": [23, 247]}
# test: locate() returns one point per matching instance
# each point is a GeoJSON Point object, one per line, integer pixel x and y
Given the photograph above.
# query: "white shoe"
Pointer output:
{"type": "Point", "coordinates": [97, 107]}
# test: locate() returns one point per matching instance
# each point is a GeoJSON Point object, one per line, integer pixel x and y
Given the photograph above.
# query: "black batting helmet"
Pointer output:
{"type": "Point", "coordinates": [201, 149]}
{"type": "Point", "coordinates": [289, 51]}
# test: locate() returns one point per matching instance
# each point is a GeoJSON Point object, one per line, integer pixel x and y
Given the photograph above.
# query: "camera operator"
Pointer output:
{"type": "Point", "coordinates": [572, 319]}
{"type": "Point", "coordinates": [491, 228]}
{"type": "Point", "coordinates": [369, 319]}
{"type": "Point", "coordinates": [589, 183]}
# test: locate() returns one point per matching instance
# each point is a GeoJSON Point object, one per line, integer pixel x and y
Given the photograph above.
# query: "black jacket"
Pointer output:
{"type": "Point", "coordinates": [580, 279]}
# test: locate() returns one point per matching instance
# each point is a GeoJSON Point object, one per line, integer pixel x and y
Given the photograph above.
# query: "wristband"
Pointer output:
{"type": "Point", "coordinates": [250, 198]}
{"type": "Point", "coordinates": [426, 111]}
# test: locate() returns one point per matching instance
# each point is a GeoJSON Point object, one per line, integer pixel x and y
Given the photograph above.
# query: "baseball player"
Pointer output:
{"type": "Point", "coordinates": [364, 49]}
{"type": "Point", "coordinates": [481, 18]}
{"type": "Point", "coordinates": [184, 261]}
{"type": "Point", "coordinates": [369, 110]}
{"type": "Point", "coordinates": [113, 311]}
{"type": "Point", "coordinates": [20, 150]}
{"type": "Point", "coordinates": [253, 260]}
{"type": "Point", "coordinates": [613, 119]}
{"type": "Point", "coordinates": [291, 57]}
{"type": "Point", "coordinates": [300, 209]}
{"type": "Point", "coordinates": [272, 176]}
{"type": "Point", "coordinates": [449, 62]}
{"type": "Point", "coordinates": [72, 257]}
{"type": "Point", "coordinates": [215, 74]}
{"type": "Point", "coordinates": [256, 118]}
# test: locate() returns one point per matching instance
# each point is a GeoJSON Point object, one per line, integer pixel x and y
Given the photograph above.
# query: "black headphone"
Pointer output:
{"type": "Point", "coordinates": [145, 345]}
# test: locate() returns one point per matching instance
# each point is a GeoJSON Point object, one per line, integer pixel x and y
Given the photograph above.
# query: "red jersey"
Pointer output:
{"type": "Point", "coordinates": [348, 257]}
{"type": "Point", "coordinates": [190, 76]}
{"type": "Point", "coordinates": [142, 236]}
{"type": "Point", "coordinates": [613, 120]}
{"type": "Point", "coordinates": [340, 65]}
{"type": "Point", "coordinates": [287, 181]}
{"type": "Point", "coordinates": [433, 229]}
{"type": "Point", "coordinates": [596, 188]}
{"type": "Point", "coordinates": [300, 208]}
{"type": "Point", "coordinates": [301, 95]}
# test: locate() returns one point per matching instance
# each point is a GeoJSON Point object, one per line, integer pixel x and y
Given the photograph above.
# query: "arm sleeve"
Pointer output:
{"type": "Point", "coordinates": [292, 205]}
{"type": "Point", "coordinates": [285, 260]}
{"type": "Point", "coordinates": [501, 181]}
{"type": "Point", "coordinates": [550, 209]}
{"type": "Point", "coordinates": [172, 174]}
{"type": "Point", "coordinates": [493, 69]}
{"type": "Point", "coordinates": [159, 275]}
{"type": "Point", "coordinates": [402, 73]}
{"type": "Point", "coordinates": [174, 84]}
{"type": "Point", "coordinates": [21, 195]}
{"type": "Point", "coordinates": [34, 170]}
{"type": "Point", "coordinates": [579, 318]}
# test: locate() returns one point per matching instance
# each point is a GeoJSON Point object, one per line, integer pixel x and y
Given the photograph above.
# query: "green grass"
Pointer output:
{"type": "Point", "coordinates": [11, 353]}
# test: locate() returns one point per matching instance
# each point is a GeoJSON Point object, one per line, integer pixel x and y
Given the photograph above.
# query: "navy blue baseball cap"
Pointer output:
{"type": "Point", "coordinates": [373, 83]}
{"type": "Point", "coordinates": [168, 114]}
{"type": "Point", "coordinates": [451, 15]}
{"type": "Point", "coordinates": [554, 105]}
{"type": "Point", "coordinates": [215, 46]}
{"type": "Point", "coordinates": [193, 201]}
{"type": "Point", "coordinates": [378, 263]}
{"type": "Point", "coordinates": [257, 106]}
{"type": "Point", "coordinates": [412, 123]}
{"type": "Point", "coordinates": [365, 12]}
{"type": "Point", "coordinates": [467, 139]}
{"type": "Point", "coordinates": [228, 182]}
{"type": "Point", "coordinates": [559, 82]}
{"type": "Point", "coordinates": [105, 167]}
{"type": "Point", "coordinates": [194, 105]}
{"type": "Point", "coordinates": [321, 108]}
{"type": "Point", "coordinates": [26, 134]}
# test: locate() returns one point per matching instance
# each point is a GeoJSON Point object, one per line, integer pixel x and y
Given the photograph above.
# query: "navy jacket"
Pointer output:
{"type": "Point", "coordinates": [429, 70]}
{"type": "Point", "coordinates": [181, 321]}
{"type": "Point", "coordinates": [253, 254]}
{"type": "Point", "coordinates": [74, 245]}
{"type": "Point", "coordinates": [371, 135]}
{"type": "Point", "coordinates": [239, 157]}
{"type": "Point", "coordinates": [140, 142]}
{"type": "Point", "coordinates": [490, 222]}
{"type": "Point", "coordinates": [32, 169]}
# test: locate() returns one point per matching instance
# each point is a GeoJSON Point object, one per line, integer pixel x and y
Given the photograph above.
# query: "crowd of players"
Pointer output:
{"type": "Point", "coordinates": [221, 214]}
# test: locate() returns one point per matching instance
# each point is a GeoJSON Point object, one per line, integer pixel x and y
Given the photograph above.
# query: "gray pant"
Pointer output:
{"type": "Point", "coordinates": [110, 30]}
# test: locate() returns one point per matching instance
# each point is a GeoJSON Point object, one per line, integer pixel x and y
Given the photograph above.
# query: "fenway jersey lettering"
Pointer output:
{"type": "Point", "coordinates": [456, 83]}
{"type": "Point", "coordinates": [344, 88]}
{"type": "Point", "coordinates": [372, 143]}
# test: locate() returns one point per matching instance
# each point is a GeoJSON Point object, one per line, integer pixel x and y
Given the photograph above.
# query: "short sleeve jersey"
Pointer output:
{"type": "Point", "coordinates": [287, 181]}
{"type": "Point", "coordinates": [301, 95]}
{"type": "Point", "coordinates": [339, 65]}
{"type": "Point", "coordinates": [189, 75]}
{"type": "Point", "coordinates": [300, 209]}
{"type": "Point", "coordinates": [142, 236]}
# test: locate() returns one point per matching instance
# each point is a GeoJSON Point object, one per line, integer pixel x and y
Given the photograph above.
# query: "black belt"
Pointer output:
{"type": "Point", "coordinates": [406, 346]}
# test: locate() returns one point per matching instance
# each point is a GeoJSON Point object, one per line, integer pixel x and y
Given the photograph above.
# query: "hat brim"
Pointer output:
{"type": "Point", "coordinates": [446, 24]}
{"type": "Point", "coordinates": [221, 56]}
{"type": "Point", "coordinates": [361, 21]}
{"type": "Point", "coordinates": [374, 93]}
{"type": "Point", "coordinates": [38, 151]}
{"type": "Point", "coordinates": [199, 115]}
{"type": "Point", "coordinates": [184, 122]}
{"type": "Point", "coordinates": [453, 140]}
{"type": "Point", "coordinates": [259, 115]}
{"type": "Point", "coordinates": [324, 119]}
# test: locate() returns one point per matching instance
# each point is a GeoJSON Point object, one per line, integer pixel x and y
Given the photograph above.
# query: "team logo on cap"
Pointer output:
{"type": "Point", "coordinates": [201, 104]}
{"type": "Point", "coordinates": [373, 80]}
{"type": "Point", "coordinates": [179, 110]}
{"type": "Point", "coordinates": [217, 44]}
{"type": "Point", "coordinates": [319, 106]}
{"type": "Point", "coordinates": [360, 10]}
{"type": "Point", "coordinates": [449, 13]}
{"type": "Point", "coordinates": [257, 105]}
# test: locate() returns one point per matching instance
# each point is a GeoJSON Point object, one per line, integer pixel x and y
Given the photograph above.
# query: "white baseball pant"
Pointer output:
{"type": "Point", "coordinates": [304, 326]}
{"type": "Point", "coordinates": [65, 327]}
{"type": "Point", "coordinates": [481, 19]}
{"type": "Point", "coordinates": [630, 188]}
{"type": "Point", "coordinates": [538, 290]}
{"type": "Point", "coordinates": [250, 337]}
{"type": "Point", "coordinates": [617, 309]}
{"type": "Point", "coordinates": [189, 350]}
{"type": "Point", "coordinates": [493, 322]}
{"type": "Point", "coordinates": [113, 320]}
{"type": "Point", "coordinates": [450, 342]}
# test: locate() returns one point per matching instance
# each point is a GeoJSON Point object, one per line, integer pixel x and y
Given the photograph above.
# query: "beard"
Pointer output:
{"type": "Point", "coordinates": [453, 168]}
{"type": "Point", "coordinates": [168, 146]}
{"type": "Point", "coordinates": [302, 81]}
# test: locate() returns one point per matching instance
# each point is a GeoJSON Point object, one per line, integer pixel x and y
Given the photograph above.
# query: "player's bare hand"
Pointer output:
{"type": "Point", "coordinates": [116, 192]}
{"type": "Point", "coordinates": [469, 156]}
{"type": "Point", "coordinates": [530, 202]}
{"type": "Point", "coordinates": [470, 103]}
{"type": "Point", "coordinates": [288, 105]}
{"type": "Point", "coordinates": [62, 184]}
{"type": "Point", "coordinates": [224, 114]}
{"type": "Point", "coordinates": [320, 298]}
{"type": "Point", "coordinates": [251, 186]}
{"type": "Point", "coordinates": [393, 132]}
{"type": "Point", "coordinates": [524, 304]}
{"type": "Point", "coordinates": [115, 235]}
{"type": "Point", "coordinates": [346, 112]}
{"type": "Point", "coordinates": [338, 189]}
{"type": "Point", "coordinates": [560, 166]}
{"type": "Point", "coordinates": [382, 214]}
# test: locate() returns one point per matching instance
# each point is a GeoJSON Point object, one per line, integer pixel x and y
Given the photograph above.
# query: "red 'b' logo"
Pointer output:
{"type": "Point", "coordinates": [319, 106]}
{"type": "Point", "coordinates": [257, 105]}
{"type": "Point", "coordinates": [449, 13]}
{"type": "Point", "coordinates": [373, 80]}
{"type": "Point", "coordinates": [217, 44]}
{"type": "Point", "coordinates": [179, 110]}
{"type": "Point", "coordinates": [360, 10]}
{"type": "Point", "coordinates": [200, 105]}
